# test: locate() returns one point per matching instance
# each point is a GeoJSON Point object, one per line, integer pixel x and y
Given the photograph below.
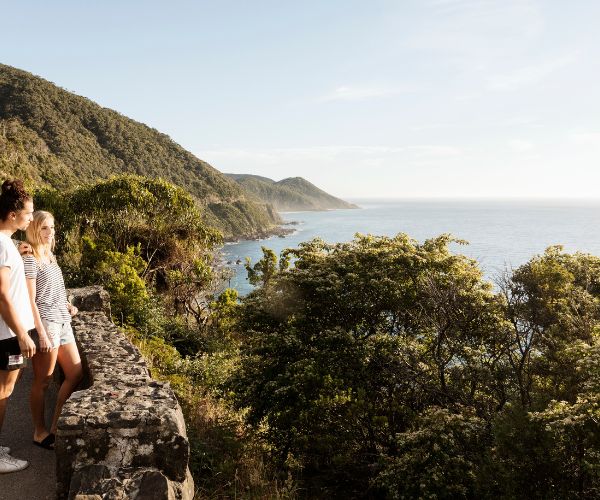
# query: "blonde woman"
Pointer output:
{"type": "Point", "coordinates": [52, 316]}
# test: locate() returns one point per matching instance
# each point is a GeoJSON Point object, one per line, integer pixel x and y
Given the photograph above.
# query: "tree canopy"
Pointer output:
{"type": "Point", "coordinates": [384, 367]}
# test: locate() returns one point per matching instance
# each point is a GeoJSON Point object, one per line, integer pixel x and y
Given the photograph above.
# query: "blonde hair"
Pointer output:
{"type": "Point", "coordinates": [40, 249]}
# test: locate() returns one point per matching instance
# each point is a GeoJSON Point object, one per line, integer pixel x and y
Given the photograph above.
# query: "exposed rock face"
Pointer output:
{"type": "Point", "coordinates": [90, 298]}
{"type": "Point", "coordinates": [124, 436]}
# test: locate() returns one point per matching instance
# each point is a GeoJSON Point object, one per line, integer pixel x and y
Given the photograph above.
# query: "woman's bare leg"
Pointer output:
{"type": "Point", "coordinates": [43, 366]}
{"type": "Point", "coordinates": [70, 363]}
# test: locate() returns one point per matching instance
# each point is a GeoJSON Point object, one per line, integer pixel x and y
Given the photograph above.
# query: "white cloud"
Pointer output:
{"type": "Point", "coordinates": [236, 159]}
{"type": "Point", "coordinates": [520, 146]}
{"type": "Point", "coordinates": [528, 75]}
{"type": "Point", "coordinates": [520, 121]}
{"type": "Point", "coordinates": [361, 93]}
{"type": "Point", "coordinates": [433, 126]}
{"type": "Point", "coordinates": [436, 151]}
{"type": "Point", "coordinates": [585, 138]}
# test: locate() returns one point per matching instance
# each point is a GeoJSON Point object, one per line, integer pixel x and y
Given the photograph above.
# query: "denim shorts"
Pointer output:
{"type": "Point", "coordinates": [59, 333]}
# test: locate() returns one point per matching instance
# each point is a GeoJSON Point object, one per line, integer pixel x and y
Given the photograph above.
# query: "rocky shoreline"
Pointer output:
{"type": "Point", "coordinates": [280, 231]}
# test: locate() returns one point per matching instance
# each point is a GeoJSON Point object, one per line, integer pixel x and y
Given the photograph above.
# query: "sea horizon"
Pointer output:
{"type": "Point", "coordinates": [466, 199]}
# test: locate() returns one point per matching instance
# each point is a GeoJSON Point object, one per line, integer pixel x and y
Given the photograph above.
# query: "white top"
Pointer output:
{"type": "Point", "coordinates": [9, 257]}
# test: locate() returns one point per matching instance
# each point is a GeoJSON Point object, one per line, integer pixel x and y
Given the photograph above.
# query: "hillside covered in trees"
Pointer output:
{"type": "Point", "coordinates": [55, 138]}
{"type": "Point", "coordinates": [293, 193]}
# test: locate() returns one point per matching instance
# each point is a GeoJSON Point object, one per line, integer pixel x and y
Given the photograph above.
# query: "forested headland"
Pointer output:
{"type": "Point", "coordinates": [381, 367]}
{"type": "Point", "coordinates": [290, 194]}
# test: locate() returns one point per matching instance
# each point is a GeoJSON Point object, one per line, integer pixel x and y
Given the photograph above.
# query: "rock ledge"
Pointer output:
{"type": "Point", "coordinates": [123, 436]}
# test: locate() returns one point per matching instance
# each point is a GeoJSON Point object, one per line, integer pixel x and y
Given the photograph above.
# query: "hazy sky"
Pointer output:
{"type": "Point", "coordinates": [379, 98]}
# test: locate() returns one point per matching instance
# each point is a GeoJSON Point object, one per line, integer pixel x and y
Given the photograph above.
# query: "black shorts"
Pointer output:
{"type": "Point", "coordinates": [10, 347]}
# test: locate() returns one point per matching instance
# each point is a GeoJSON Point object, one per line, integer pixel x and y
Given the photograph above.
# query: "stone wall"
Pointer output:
{"type": "Point", "coordinates": [123, 436]}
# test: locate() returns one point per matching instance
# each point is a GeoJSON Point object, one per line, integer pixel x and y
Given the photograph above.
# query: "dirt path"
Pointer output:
{"type": "Point", "coordinates": [38, 481]}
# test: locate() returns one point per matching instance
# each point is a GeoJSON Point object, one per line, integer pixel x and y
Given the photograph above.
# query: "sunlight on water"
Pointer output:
{"type": "Point", "coordinates": [500, 233]}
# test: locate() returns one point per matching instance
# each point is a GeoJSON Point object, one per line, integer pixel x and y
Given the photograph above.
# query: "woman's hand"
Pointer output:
{"type": "Point", "coordinates": [25, 248]}
{"type": "Point", "coordinates": [72, 309]}
{"type": "Point", "coordinates": [46, 344]}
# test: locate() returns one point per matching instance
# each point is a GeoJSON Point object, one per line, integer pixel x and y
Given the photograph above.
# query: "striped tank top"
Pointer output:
{"type": "Point", "coordinates": [50, 293]}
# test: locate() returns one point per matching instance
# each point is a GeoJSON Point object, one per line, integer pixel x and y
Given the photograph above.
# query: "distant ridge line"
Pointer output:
{"type": "Point", "coordinates": [289, 194]}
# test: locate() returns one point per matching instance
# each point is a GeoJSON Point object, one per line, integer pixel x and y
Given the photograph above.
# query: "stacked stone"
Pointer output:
{"type": "Point", "coordinates": [122, 437]}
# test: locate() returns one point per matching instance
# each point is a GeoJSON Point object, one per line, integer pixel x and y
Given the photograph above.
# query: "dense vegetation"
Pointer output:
{"type": "Point", "coordinates": [52, 137]}
{"type": "Point", "coordinates": [293, 193]}
{"type": "Point", "coordinates": [386, 368]}
{"type": "Point", "coordinates": [377, 368]}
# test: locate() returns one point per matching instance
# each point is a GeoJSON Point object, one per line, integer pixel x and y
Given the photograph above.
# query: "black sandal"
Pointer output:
{"type": "Point", "coordinates": [47, 443]}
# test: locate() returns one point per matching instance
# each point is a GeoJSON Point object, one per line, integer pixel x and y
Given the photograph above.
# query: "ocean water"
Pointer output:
{"type": "Point", "coordinates": [501, 233]}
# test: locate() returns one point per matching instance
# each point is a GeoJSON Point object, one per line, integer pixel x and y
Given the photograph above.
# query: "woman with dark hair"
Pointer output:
{"type": "Point", "coordinates": [52, 317]}
{"type": "Point", "coordinates": [16, 317]}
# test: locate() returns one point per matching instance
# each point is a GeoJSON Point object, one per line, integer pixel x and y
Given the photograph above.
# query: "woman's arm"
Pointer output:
{"type": "Point", "coordinates": [45, 342]}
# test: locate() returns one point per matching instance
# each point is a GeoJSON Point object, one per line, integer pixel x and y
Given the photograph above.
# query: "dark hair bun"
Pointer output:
{"type": "Point", "coordinates": [14, 188]}
{"type": "Point", "coordinates": [13, 197]}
